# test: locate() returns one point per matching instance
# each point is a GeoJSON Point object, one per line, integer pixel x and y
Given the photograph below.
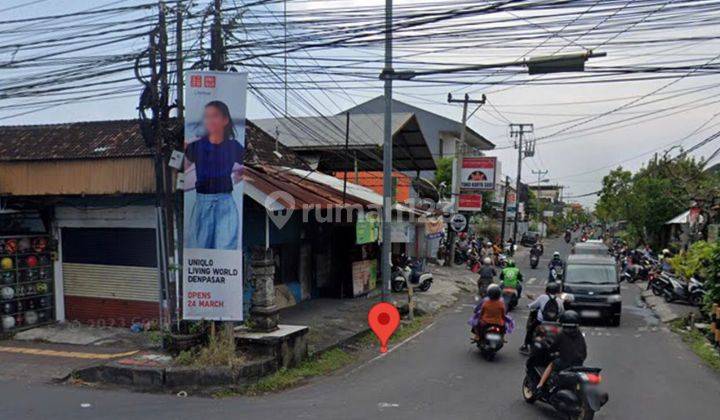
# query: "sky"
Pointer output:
{"type": "Point", "coordinates": [578, 160]}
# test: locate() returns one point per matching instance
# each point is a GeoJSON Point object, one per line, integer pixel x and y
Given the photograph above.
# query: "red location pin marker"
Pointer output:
{"type": "Point", "coordinates": [383, 319]}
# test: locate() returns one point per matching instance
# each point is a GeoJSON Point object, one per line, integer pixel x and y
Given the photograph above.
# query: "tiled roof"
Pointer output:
{"type": "Point", "coordinates": [116, 139]}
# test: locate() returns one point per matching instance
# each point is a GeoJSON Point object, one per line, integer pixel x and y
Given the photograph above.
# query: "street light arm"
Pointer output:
{"type": "Point", "coordinates": [559, 60]}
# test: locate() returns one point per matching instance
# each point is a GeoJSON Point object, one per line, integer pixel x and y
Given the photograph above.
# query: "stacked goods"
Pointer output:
{"type": "Point", "coordinates": [26, 293]}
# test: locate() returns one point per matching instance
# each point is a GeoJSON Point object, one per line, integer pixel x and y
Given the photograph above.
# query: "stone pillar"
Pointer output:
{"type": "Point", "coordinates": [264, 314]}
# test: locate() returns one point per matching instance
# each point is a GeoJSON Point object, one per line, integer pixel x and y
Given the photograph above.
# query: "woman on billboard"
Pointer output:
{"type": "Point", "coordinates": [214, 221]}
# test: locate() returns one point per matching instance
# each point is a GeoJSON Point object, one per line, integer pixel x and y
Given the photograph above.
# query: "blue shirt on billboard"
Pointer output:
{"type": "Point", "coordinates": [214, 163]}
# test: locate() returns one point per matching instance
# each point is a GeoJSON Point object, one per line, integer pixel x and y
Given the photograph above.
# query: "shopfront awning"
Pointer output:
{"type": "Point", "coordinates": [681, 219]}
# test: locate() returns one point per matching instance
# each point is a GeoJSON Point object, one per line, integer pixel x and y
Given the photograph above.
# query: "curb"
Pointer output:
{"type": "Point", "coordinates": [657, 304]}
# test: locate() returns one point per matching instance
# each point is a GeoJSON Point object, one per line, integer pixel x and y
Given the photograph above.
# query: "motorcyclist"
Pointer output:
{"type": "Point", "coordinates": [554, 264]}
{"type": "Point", "coordinates": [570, 346]}
{"type": "Point", "coordinates": [540, 312]}
{"type": "Point", "coordinates": [665, 260]}
{"type": "Point", "coordinates": [511, 277]}
{"type": "Point", "coordinates": [536, 250]}
{"type": "Point", "coordinates": [487, 275]}
{"type": "Point", "coordinates": [491, 311]}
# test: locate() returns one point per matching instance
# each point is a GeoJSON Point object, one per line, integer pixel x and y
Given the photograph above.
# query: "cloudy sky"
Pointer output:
{"type": "Point", "coordinates": [583, 130]}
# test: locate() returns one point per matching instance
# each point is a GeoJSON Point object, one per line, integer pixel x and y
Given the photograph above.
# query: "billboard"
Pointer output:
{"type": "Point", "coordinates": [470, 202]}
{"type": "Point", "coordinates": [213, 192]}
{"type": "Point", "coordinates": [478, 173]}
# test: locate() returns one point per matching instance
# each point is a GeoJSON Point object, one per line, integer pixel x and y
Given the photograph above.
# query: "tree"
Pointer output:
{"type": "Point", "coordinates": [443, 174]}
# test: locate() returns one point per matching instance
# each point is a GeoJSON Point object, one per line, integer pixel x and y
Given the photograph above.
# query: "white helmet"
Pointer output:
{"type": "Point", "coordinates": [487, 261]}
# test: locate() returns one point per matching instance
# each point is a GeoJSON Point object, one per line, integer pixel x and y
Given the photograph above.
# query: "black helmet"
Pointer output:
{"type": "Point", "coordinates": [494, 292]}
{"type": "Point", "coordinates": [552, 288]}
{"type": "Point", "coordinates": [570, 319]}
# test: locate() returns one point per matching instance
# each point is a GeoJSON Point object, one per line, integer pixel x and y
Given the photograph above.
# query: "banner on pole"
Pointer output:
{"type": "Point", "coordinates": [213, 191]}
{"type": "Point", "coordinates": [470, 202]}
{"type": "Point", "coordinates": [478, 173]}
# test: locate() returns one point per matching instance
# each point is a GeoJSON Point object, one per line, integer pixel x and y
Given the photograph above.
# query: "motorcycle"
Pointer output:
{"type": "Point", "coordinates": [658, 283]}
{"type": "Point", "coordinates": [473, 262]}
{"type": "Point", "coordinates": [510, 296]}
{"type": "Point", "coordinates": [573, 391]}
{"type": "Point", "coordinates": [556, 273]}
{"type": "Point", "coordinates": [408, 272]}
{"type": "Point", "coordinates": [567, 237]}
{"type": "Point", "coordinates": [534, 260]}
{"type": "Point", "coordinates": [491, 342]}
{"type": "Point", "coordinates": [692, 292]}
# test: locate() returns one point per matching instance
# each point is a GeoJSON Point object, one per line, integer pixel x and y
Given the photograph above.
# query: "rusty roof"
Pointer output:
{"type": "Point", "coordinates": [118, 139]}
{"type": "Point", "coordinates": [304, 192]}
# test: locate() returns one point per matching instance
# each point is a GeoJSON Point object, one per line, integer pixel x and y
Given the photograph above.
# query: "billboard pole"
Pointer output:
{"type": "Point", "coordinates": [459, 150]}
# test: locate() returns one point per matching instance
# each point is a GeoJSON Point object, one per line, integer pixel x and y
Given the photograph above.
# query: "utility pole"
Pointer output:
{"type": "Point", "coordinates": [524, 150]}
{"type": "Point", "coordinates": [540, 174]}
{"type": "Point", "coordinates": [179, 71]}
{"type": "Point", "coordinates": [217, 46]}
{"type": "Point", "coordinates": [387, 75]}
{"type": "Point", "coordinates": [504, 210]}
{"type": "Point", "coordinates": [459, 150]}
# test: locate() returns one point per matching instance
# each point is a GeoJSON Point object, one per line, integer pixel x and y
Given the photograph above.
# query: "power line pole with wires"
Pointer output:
{"type": "Point", "coordinates": [459, 150]}
{"type": "Point", "coordinates": [525, 149]}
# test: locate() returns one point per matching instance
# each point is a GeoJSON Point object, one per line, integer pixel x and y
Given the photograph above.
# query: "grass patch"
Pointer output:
{"type": "Point", "coordinates": [219, 351]}
{"type": "Point", "coordinates": [286, 378]}
{"type": "Point", "coordinates": [698, 343]}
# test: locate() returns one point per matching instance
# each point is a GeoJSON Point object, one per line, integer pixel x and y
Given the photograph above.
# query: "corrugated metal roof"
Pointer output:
{"type": "Point", "coordinates": [329, 131]}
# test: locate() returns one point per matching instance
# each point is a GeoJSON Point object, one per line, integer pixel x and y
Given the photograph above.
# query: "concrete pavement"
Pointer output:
{"type": "Point", "coordinates": [438, 374]}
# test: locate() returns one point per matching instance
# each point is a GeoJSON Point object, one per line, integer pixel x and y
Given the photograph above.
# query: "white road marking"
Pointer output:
{"type": "Point", "coordinates": [388, 405]}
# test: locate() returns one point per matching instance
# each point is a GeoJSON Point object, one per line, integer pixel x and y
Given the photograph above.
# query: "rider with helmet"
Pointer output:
{"type": "Point", "coordinates": [511, 277]}
{"type": "Point", "coordinates": [569, 344]}
{"type": "Point", "coordinates": [491, 311]}
{"type": "Point", "coordinates": [487, 274]}
{"type": "Point", "coordinates": [547, 307]}
{"type": "Point", "coordinates": [555, 263]}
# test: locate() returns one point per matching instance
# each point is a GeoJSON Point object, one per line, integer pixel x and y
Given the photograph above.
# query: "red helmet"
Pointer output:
{"type": "Point", "coordinates": [31, 261]}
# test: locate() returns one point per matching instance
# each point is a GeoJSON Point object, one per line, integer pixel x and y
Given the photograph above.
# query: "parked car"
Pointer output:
{"type": "Point", "coordinates": [592, 288]}
{"type": "Point", "coordinates": [529, 238]}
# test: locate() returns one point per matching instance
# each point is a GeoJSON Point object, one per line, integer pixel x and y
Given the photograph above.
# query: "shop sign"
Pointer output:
{"type": "Point", "coordinates": [434, 227]}
{"type": "Point", "coordinates": [364, 276]}
{"type": "Point", "coordinates": [470, 202]}
{"type": "Point", "coordinates": [367, 229]}
{"type": "Point", "coordinates": [478, 173]}
{"type": "Point", "coordinates": [213, 192]}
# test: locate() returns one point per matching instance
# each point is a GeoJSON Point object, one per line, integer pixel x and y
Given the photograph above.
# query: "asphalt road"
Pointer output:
{"type": "Point", "coordinates": [437, 374]}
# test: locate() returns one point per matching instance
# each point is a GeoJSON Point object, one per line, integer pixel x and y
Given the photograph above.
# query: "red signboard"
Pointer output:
{"type": "Point", "coordinates": [470, 202]}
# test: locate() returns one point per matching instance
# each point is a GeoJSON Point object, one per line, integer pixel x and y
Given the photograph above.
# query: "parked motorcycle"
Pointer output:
{"type": "Point", "coordinates": [659, 282]}
{"type": "Point", "coordinates": [411, 272]}
{"type": "Point", "coordinates": [491, 341]}
{"type": "Point", "coordinates": [573, 391]}
{"type": "Point", "coordinates": [692, 292]}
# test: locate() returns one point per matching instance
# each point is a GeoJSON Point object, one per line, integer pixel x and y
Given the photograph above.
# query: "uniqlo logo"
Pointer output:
{"type": "Point", "coordinates": [209, 82]}
{"type": "Point", "coordinates": [195, 81]}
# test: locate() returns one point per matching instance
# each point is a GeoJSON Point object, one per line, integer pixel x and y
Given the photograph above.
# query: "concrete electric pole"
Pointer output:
{"type": "Point", "coordinates": [525, 149]}
{"type": "Point", "coordinates": [459, 150]}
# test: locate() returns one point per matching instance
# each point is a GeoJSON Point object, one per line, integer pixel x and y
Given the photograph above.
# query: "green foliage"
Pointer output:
{"type": "Point", "coordinates": [698, 343]}
{"type": "Point", "coordinates": [702, 260]}
{"type": "Point", "coordinates": [443, 173]}
{"type": "Point", "coordinates": [658, 192]}
{"type": "Point", "coordinates": [286, 378]}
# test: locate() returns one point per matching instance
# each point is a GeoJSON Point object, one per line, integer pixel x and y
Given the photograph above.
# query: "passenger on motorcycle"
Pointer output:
{"type": "Point", "coordinates": [487, 275]}
{"type": "Point", "coordinates": [570, 346]}
{"type": "Point", "coordinates": [554, 264]}
{"type": "Point", "coordinates": [547, 307]}
{"type": "Point", "coordinates": [511, 277]}
{"type": "Point", "coordinates": [490, 312]}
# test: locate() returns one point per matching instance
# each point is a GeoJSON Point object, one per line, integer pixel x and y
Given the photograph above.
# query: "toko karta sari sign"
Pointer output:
{"type": "Point", "coordinates": [214, 150]}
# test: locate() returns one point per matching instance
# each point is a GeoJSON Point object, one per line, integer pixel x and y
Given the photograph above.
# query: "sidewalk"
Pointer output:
{"type": "Point", "coordinates": [333, 322]}
{"type": "Point", "coordinates": [667, 312]}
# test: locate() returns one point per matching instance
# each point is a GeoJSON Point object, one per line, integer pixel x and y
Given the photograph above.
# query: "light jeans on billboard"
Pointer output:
{"type": "Point", "coordinates": [214, 222]}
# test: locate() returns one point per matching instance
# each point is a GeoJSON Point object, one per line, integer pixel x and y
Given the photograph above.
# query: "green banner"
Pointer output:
{"type": "Point", "coordinates": [367, 229]}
